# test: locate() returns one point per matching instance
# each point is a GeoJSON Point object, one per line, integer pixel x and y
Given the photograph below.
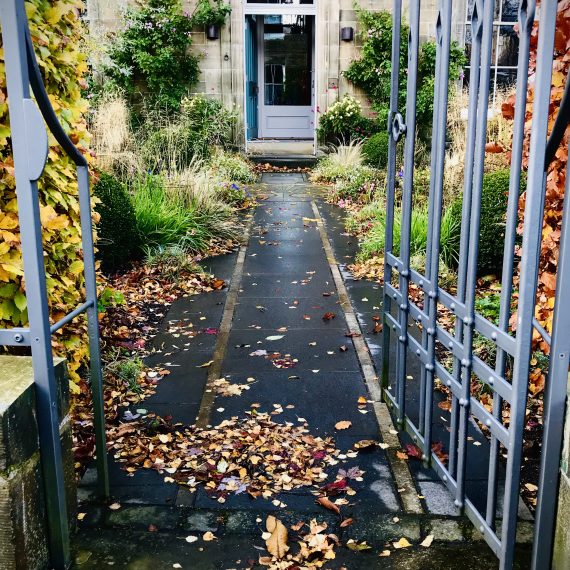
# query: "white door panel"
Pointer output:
{"type": "Point", "coordinates": [286, 68]}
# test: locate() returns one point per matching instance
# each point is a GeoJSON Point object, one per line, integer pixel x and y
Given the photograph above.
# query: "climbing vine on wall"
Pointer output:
{"type": "Point", "coordinates": [56, 32]}
{"type": "Point", "coordinates": [556, 176]}
{"type": "Point", "coordinates": [150, 56]}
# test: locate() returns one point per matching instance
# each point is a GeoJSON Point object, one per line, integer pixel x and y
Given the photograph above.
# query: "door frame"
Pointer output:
{"type": "Point", "coordinates": [263, 109]}
{"type": "Point", "coordinates": [284, 9]}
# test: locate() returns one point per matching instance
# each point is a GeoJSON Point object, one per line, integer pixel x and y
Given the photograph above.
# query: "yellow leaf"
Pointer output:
{"type": "Point", "coordinates": [277, 542]}
{"type": "Point", "coordinates": [402, 543]}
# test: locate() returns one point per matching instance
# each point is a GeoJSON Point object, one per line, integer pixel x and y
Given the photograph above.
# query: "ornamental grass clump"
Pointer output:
{"type": "Point", "coordinates": [341, 160]}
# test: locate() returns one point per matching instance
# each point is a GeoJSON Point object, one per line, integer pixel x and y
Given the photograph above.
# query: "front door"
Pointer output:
{"type": "Point", "coordinates": [286, 68]}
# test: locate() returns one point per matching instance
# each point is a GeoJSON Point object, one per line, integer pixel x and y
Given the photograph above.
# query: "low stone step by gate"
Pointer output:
{"type": "Point", "coordinates": [24, 542]}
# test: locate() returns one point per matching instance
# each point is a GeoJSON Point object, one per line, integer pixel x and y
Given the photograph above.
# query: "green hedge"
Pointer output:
{"type": "Point", "coordinates": [117, 229]}
{"type": "Point", "coordinates": [375, 150]}
{"type": "Point", "coordinates": [494, 200]}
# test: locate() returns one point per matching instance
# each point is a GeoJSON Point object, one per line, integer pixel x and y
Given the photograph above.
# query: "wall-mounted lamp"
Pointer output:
{"type": "Point", "coordinates": [347, 34]}
{"type": "Point", "coordinates": [213, 32]}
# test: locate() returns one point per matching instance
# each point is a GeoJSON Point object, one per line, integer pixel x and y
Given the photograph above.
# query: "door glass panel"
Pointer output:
{"type": "Point", "coordinates": [287, 42]}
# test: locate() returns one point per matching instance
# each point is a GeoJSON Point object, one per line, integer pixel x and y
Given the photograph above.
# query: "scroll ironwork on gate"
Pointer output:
{"type": "Point", "coordinates": [29, 140]}
{"type": "Point", "coordinates": [413, 327]}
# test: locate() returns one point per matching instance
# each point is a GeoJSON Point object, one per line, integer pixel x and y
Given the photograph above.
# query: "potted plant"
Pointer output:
{"type": "Point", "coordinates": [211, 14]}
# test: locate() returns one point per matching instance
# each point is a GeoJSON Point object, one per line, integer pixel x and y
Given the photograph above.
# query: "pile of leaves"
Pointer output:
{"type": "Point", "coordinates": [266, 167]}
{"type": "Point", "coordinates": [253, 455]}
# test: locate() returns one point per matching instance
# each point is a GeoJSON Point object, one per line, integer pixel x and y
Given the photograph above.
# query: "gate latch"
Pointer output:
{"type": "Point", "coordinates": [398, 127]}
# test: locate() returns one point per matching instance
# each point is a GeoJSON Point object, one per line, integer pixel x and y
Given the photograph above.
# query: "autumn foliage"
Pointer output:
{"type": "Point", "coordinates": [556, 177]}
{"type": "Point", "coordinates": [56, 31]}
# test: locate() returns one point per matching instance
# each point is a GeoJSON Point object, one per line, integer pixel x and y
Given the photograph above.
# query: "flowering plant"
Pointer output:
{"type": "Point", "coordinates": [343, 121]}
{"type": "Point", "coordinates": [207, 14]}
{"type": "Point", "coordinates": [151, 53]}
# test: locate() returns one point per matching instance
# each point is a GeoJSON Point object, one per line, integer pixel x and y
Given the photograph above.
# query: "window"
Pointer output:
{"type": "Point", "coordinates": [505, 45]}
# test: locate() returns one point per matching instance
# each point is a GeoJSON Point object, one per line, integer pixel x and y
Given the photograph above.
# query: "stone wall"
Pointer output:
{"type": "Point", "coordinates": [23, 535]}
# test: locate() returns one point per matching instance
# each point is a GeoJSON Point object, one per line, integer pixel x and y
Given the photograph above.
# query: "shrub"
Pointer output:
{"type": "Point", "coordinates": [172, 148]}
{"type": "Point", "coordinates": [172, 142]}
{"type": "Point", "coordinates": [372, 70]}
{"type": "Point", "coordinates": [174, 261]}
{"type": "Point", "coordinates": [494, 200]}
{"type": "Point", "coordinates": [117, 227]}
{"type": "Point", "coordinates": [211, 119]}
{"type": "Point", "coordinates": [228, 167]}
{"type": "Point", "coordinates": [358, 184]}
{"type": "Point", "coordinates": [343, 122]}
{"type": "Point", "coordinates": [375, 150]}
{"type": "Point", "coordinates": [152, 54]}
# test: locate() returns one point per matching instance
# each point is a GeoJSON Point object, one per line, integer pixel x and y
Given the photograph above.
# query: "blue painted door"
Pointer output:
{"type": "Point", "coordinates": [251, 79]}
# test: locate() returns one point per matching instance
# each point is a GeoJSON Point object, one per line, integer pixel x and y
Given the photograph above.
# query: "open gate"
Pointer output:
{"type": "Point", "coordinates": [442, 354]}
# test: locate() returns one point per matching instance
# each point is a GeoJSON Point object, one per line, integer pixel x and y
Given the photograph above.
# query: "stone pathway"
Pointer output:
{"type": "Point", "coordinates": [280, 287]}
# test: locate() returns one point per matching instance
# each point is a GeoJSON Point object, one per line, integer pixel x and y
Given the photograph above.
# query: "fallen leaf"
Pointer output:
{"type": "Point", "coordinates": [115, 506]}
{"type": "Point", "coordinates": [328, 316]}
{"type": "Point", "coordinates": [357, 546]}
{"type": "Point", "coordinates": [343, 425]}
{"type": "Point", "coordinates": [190, 539]}
{"type": "Point", "coordinates": [402, 543]}
{"type": "Point", "coordinates": [277, 543]}
{"type": "Point", "coordinates": [208, 536]}
{"type": "Point", "coordinates": [328, 504]}
{"type": "Point", "coordinates": [206, 364]}
{"type": "Point", "coordinates": [275, 337]}
{"type": "Point", "coordinates": [426, 542]}
{"type": "Point", "coordinates": [346, 522]}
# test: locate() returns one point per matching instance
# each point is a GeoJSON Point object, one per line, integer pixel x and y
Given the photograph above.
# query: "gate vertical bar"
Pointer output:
{"type": "Point", "coordinates": [96, 373]}
{"type": "Point", "coordinates": [28, 135]}
{"type": "Point", "coordinates": [410, 145]}
{"type": "Point", "coordinates": [533, 219]}
{"type": "Point", "coordinates": [390, 187]}
{"type": "Point", "coordinates": [443, 39]}
{"type": "Point", "coordinates": [526, 19]}
{"type": "Point", "coordinates": [554, 403]}
{"type": "Point", "coordinates": [475, 64]}
{"type": "Point", "coordinates": [473, 247]}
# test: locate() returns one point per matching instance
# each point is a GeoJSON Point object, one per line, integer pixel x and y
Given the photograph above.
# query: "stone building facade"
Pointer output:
{"type": "Point", "coordinates": [227, 62]}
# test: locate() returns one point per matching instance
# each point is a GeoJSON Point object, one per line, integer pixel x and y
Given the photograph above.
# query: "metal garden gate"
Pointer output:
{"type": "Point", "coordinates": [443, 354]}
{"type": "Point", "coordinates": [29, 140]}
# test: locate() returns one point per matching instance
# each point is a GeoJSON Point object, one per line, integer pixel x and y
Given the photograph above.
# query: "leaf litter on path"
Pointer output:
{"type": "Point", "coordinates": [253, 455]}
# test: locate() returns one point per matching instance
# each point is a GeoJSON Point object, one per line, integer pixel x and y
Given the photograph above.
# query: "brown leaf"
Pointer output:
{"type": "Point", "coordinates": [346, 522]}
{"type": "Point", "coordinates": [343, 425]}
{"type": "Point", "coordinates": [277, 543]}
{"type": "Point", "coordinates": [328, 316]}
{"type": "Point", "coordinates": [328, 504]}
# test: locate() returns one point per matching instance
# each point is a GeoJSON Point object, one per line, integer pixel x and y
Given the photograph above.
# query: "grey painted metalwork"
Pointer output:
{"type": "Point", "coordinates": [507, 379]}
{"type": "Point", "coordinates": [30, 147]}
